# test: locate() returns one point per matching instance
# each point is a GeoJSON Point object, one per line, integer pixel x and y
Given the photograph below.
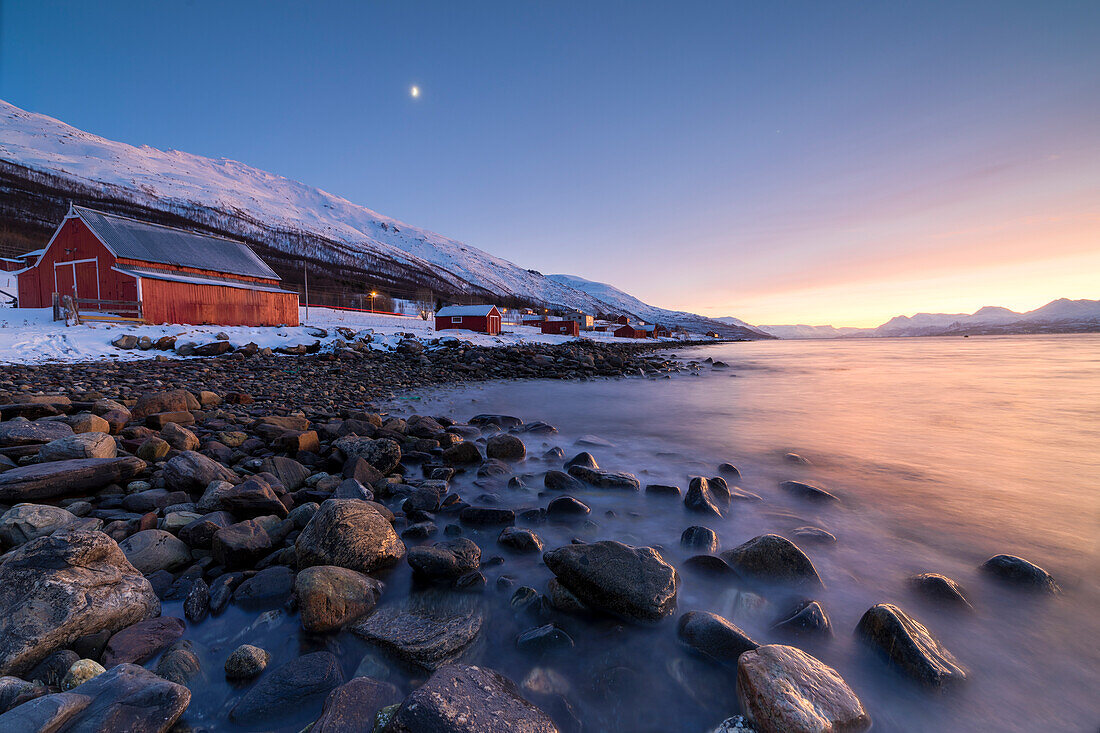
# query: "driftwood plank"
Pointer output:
{"type": "Point", "coordinates": [65, 478]}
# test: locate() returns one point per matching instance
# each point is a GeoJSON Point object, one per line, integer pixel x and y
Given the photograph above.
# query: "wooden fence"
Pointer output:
{"type": "Point", "coordinates": [90, 310]}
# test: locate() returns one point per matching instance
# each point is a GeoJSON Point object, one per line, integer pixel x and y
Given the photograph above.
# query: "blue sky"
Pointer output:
{"type": "Point", "coordinates": [807, 162]}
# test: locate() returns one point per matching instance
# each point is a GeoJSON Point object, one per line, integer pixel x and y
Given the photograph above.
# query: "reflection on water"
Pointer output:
{"type": "Point", "coordinates": [943, 451]}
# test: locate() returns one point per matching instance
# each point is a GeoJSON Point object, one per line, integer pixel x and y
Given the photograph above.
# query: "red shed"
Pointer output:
{"type": "Point", "coordinates": [177, 275]}
{"type": "Point", "coordinates": [656, 331]}
{"type": "Point", "coordinates": [565, 328]}
{"type": "Point", "coordinates": [629, 332]}
{"type": "Point", "coordinates": [480, 318]}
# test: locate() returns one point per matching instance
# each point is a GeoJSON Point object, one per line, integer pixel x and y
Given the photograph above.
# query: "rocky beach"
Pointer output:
{"type": "Point", "coordinates": [256, 541]}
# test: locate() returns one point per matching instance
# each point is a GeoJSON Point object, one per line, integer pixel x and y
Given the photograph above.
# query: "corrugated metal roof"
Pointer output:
{"type": "Point", "coordinates": [183, 277]}
{"type": "Point", "coordinates": [465, 310]}
{"type": "Point", "coordinates": [138, 240]}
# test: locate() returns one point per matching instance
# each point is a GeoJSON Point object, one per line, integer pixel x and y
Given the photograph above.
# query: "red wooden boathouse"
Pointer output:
{"type": "Point", "coordinates": [480, 318]}
{"type": "Point", "coordinates": [629, 332]}
{"type": "Point", "coordinates": [566, 328]}
{"type": "Point", "coordinates": [178, 276]}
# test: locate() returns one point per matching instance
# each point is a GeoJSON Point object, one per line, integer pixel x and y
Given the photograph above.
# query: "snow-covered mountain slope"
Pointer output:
{"type": "Point", "coordinates": [275, 211]}
{"type": "Point", "coordinates": [1061, 315]}
{"type": "Point", "coordinates": [617, 302]}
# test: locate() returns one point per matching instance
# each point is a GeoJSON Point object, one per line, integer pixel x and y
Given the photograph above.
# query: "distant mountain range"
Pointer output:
{"type": "Point", "coordinates": [46, 164]}
{"type": "Point", "coordinates": [1057, 316]}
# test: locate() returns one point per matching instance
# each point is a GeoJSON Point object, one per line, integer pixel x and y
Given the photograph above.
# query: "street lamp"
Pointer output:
{"type": "Point", "coordinates": [372, 296]}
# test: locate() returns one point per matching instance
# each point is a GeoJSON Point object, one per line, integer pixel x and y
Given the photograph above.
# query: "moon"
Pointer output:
{"type": "Point", "coordinates": [414, 92]}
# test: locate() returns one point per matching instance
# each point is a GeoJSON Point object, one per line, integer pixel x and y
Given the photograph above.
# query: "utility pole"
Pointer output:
{"type": "Point", "coordinates": [305, 276]}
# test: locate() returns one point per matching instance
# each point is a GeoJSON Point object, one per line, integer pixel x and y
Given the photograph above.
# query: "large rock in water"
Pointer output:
{"type": "Point", "coordinates": [353, 705]}
{"type": "Point", "coordinates": [432, 629]}
{"type": "Point", "coordinates": [349, 533]}
{"type": "Point", "coordinates": [1020, 572]}
{"type": "Point", "coordinates": [710, 634]}
{"type": "Point", "coordinates": [64, 478]}
{"type": "Point", "coordinates": [632, 582]}
{"type": "Point", "coordinates": [774, 559]}
{"type": "Point", "coordinates": [330, 597]}
{"type": "Point", "coordinates": [124, 698]}
{"type": "Point", "coordinates": [909, 645]}
{"type": "Point", "coordinates": [297, 684]}
{"type": "Point", "coordinates": [606, 479]}
{"type": "Point", "coordinates": [460, 698]}
{"type": "Point", "coordinates": [785, 690]}
{"type": "Point", "coordinates": [56, 589]}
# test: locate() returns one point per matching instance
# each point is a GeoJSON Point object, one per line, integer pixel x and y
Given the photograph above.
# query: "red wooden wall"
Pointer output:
{"type": "Point", "coordinates": [489, 324]}
{"type": "Point", "coordinates": [173, 302]}
{"type": "Point", "coordinates": [92, 279]}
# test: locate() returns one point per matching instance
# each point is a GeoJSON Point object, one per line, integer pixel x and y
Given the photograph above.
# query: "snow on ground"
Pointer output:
{"type": "Point", "coordinates": [30, 335]}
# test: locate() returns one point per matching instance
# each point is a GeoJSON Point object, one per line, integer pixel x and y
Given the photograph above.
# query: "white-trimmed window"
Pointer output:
{"type": "Point", "coordinates": [456, 319]}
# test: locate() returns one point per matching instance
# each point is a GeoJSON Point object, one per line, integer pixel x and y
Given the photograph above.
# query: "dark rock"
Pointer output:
{"type": "Point", "coordinates": [807, 491]}
{"type": "Point", "coordinates": [247, 500]}
{"type": "Point", "coordinates": [246, 662]}
{"type": "Point", "coordinates": [57, 589]}
{"type": "Point", "coordinates": [493, 467]}
{"type": "Point", "coordinates": [331, 597]}
{"type": "Point", "coordinates": [349, 488]}
{"type": "Point", "coordinates": [699, 498]}
{"type": "Point", "coordinates": [773, 558]}
{"type": "Point", "coordinates": [662, 490]}
{"type": "Point", "coordinates": [19, 432]}
{"type": "Point", "coordinates": [154, 549]}
{"type": "Point", "coordinates": [192, 472]}
{"type": "Point", "coordinates": [700, 538]}
{"type": "Point", "coordinates": [142, 641]}
{"type": "Point", "coordinates": [909, 645]}
{"type": "Point", "coordinates": [1019, 572]}
{"type": "Point", "coordinates": [560, 481]}
{"type": "Point", "coordinates": [807, 617]}
{"type": "Point", "coordinates": [506, 448]}
{"type": "Point", "coordinates": [460, 698]}
{"type": "Point", "coordinates": [606, 479]}
{"type": "Point", "coordinates": [584, 459]}
{"type": "Point", "coordinates": [728, 469]}
{"type": "Point", "coordinates": [520, 540]}
{"type": "Point", "coordinates": [713, 636]}
{"type": "Point", "coordinates": [124, 698]}
{"type": "Point", "coordinates": [179, 663]}
{"type": "Point", "coordinates": [480, 515]}
{"type": "Point", "coordinates": [14, 691]}
{"type": "Point", "coordinates": [710, 566]}
{"type": "Point", "coordinates": [197, 604]}
{"type": "Point", "coordinates": [544, 638]}
{"type": "Point", "coordinates": [80, 476]}
{"type": "Point", "coordinates": [200, 532]}
{"type": "Point", "coordinates": [940, 589]}
{"type": "Point", "coordinates": [269, 588]}
{"type": "Point", "coordinates": [633, 582]}
{"type": "Point", "coordinates": [566, 507]}
{"type": "Point", "coordinates": [297, 685]}
{"type": "Point", "coordinates": [350, 534]}
{"type": "Point", "coordinates": [502, 421]}
{"type": "Point", "coordinates": [51, 670]}
{"type": "Point", "coordinates": [354, 705]}
{"type": "Point", "coordinates": [445, 560]}
{"type": "Point", "coordinates": [462, 454]}
{"type": "Point", "coordinates": [241, 545]}
{"type": "Point", "coordinates": [432, 629]}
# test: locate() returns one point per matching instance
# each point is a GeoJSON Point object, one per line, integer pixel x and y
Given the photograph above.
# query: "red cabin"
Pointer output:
{"type": "Point", "coordinates": [624, 320]}
{"type": "Point", "coordinates": [656, 331]}
{"type": "Point", "coordinates": [629, 332]}
{"type": "Point", "coordinates": [178, 276]}
{"type": "Point", "coordinates": [480, 318]}
{"type": "Point", "coordinates": [564, 328]}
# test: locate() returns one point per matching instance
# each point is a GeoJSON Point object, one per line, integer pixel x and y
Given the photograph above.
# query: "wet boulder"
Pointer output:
{"type": "Point", "coordinates": [940, 589]}
{"type": "Point", "coordinates": [57, 589]}
{"type": "Point", "coordinates": [566, 508]}
{"type": "Point", "coordinates": [700, 538]}
{"type": "Point", "coordinates": [713, 636]}
{"type": "Point", "coordinates": [561, 481]}
{"type": "Point", "coordinates": [807, 491]}
{"type": "Point", "coordinates": [462, 454]}
{"type": "Point", "coordinates": [700, 499]}
{"type": "Point", "coordinates": [298, 684]}
{"type": "Point", "coordinates": [331, 597]}
{"type": "Point", "coordinates": [785, 690]}
{"type": "Point", "coordinates": [140, 642]}
{"type": "Point", "coordinates": [909, 646]}
{"type": "Point", "coordinates": [631, 582]}
{"type": "Point", "coordinates": [461, 698]}
{"type": "Point", "coordinates": [240, 545]}
{"type": "Point", "coordinates": [353, 705]}
{"type": "Point", "coordinates": [252, 498]}
{"type": "Point", "coordinates": [429, 630]}
{"type": "Point", "coordinates": [246, 662]}
{"type": "Point", "coordinates": [445, 560]}
{"type": "Point", "coordinates": [351, 534]}
{"type": "Point", "coordinates": [1020, 573]}
{"type": "Point", "coordinates": [269, 588]}
{"type": "Point", "coordinates": [605, 479]}
{"type": "Point", "coordinates": [805, 618]}
{"type": "Point", "coordinates": [505, 447]}
{"type": "Point", "coordinates": [124, 698]}
{"type": "Point", "coordinates": [520, 539]}
{"type": "Point", "coordinates": [772, 558]}
{"type": "Point", "coordinates": [382, 454]}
